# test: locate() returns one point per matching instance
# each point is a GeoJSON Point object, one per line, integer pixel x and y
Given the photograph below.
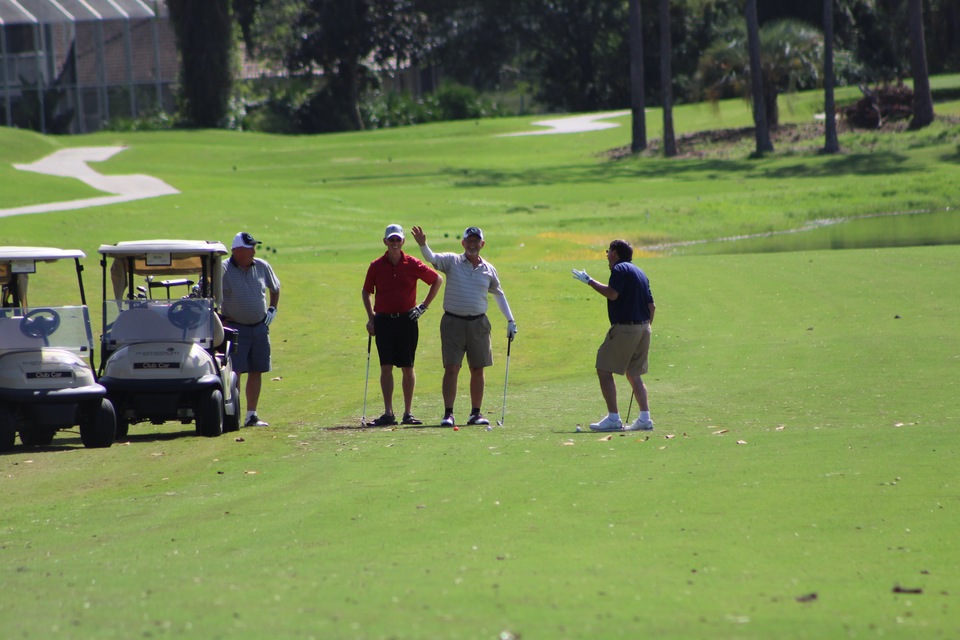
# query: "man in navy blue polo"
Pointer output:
{"type": "Point", "coordinates": [626, 347]}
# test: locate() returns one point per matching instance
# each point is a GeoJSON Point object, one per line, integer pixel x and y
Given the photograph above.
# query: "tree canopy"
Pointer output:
{"type": "Point", "coordinates": [570, 55]}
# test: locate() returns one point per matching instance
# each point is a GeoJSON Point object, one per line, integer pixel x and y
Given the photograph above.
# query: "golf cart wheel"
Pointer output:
{"type": "Point", "coordinates": [232, 422]}
{"type": "Point", "coordinates": [37, 437]}
{"type": "Point", "coordinates": [8, 429]}
{"type": "Point", "coordinates": [99, 425]}
{"type": "Point", "coordinates": [210, 414]}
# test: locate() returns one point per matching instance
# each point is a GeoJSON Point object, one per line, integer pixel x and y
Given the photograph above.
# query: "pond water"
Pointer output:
{"type": "Point", "coordinates": [868, 232]}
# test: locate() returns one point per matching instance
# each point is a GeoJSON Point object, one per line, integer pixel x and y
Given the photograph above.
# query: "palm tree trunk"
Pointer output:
{"type": "Point", "coordinates": [922, 98]}
{"type": "Point", "coordinates": [831, 143]}
{"type": "Point", "coordinates": [637, 97]}
{"type": "Point", "coordinates": [666, 80]}
{"type": "Point", "coordinates": [761, 131]}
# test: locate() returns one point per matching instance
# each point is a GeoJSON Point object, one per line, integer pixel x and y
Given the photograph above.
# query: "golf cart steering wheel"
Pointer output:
{"type": "Point", "coordinates": [186, 314]}
{"type": "Point", "coordinates": [40, 323]}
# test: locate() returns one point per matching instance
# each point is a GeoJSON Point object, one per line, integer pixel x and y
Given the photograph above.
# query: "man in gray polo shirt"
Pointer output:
{"type": "Point", "coordinates": [464, 327]}
{"type": "Point", "coordinates": [246, 283]}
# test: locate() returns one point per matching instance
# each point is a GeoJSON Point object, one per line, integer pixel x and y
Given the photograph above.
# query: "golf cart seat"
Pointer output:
{"type": "Point", "coordinates": [12, 339]}
{"type": "Point", "coordinates": [218, 333]}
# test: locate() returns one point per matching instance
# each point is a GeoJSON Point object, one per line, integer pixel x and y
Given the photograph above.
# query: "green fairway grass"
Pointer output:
{"type": "Point", "coordinates": [799, 483]}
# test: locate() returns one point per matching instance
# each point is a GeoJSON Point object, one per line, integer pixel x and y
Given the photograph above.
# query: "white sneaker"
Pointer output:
{"type": "Point", "coordinates": [477, 419]}
{"type": "Point", "coordinates": [640, 425]}
{"type": "Point", "coordinates": [448, 421]}
{"type": "Point", "coordinates": [254, 421]}
{"type": "Point", "coordinates": [607, 424]}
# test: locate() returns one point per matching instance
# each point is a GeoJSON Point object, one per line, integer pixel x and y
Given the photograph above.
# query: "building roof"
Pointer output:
{"type": "Point", "coordinates": [53, 11]}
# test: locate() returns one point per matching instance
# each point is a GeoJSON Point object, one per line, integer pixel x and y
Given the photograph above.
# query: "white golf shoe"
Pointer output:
{"type": "Point", "coordinates": [607, 424]}
{"type": "Point", "coordinates": [640, 425]}
{"type": "Point", "coordinates": [255, 421]}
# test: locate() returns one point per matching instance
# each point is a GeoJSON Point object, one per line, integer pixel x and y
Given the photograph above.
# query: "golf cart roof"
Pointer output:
{"type": "Point", "coordinates": [164, 258]}
{"type": "Point", "coordinates": [47, 254]}
{"type": "Point", "coordinates": [176, 247]}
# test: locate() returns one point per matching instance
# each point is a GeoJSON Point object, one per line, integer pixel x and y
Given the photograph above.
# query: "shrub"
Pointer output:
{"type": "Point", "coordinates": [451, 101]}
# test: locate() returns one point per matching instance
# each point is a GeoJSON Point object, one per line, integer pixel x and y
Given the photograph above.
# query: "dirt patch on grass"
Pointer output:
{"type": "Point", "coordinates": [786, 138]}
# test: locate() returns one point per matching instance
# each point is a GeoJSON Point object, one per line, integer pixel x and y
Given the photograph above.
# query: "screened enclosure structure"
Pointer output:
{"type": "Point", "coordinates": [69, 66]}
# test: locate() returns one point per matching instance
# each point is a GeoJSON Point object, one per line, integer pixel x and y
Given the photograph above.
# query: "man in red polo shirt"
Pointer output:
{"type": "Point", "coordinates": [392, 318]}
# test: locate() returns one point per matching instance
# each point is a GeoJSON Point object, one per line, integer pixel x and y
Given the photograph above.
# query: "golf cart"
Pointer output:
{"type": "Point", "coordinates": [166, 355]}
{"type": "Point", "coordinates": [47, 380]}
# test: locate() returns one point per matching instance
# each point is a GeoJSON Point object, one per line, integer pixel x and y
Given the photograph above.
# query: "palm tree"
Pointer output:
{"type": "Point", "coordinates": [666, 79]}
{"type": "Point", "coordinates": [756, 80]}
{"type": "Point", "coordinates": [790, 57]}
{"type": "Point", "coordinates": [831, 144]}
{"type": "Point", "coordinates": [922, 99]}
{"type": "Point", "coordinates": [637, 97]}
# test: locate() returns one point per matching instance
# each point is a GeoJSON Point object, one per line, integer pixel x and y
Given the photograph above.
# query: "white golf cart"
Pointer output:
{"type": "Point", "coordinates": [47, 380]}
{"type": "Point", "coordinates": [166, 355]}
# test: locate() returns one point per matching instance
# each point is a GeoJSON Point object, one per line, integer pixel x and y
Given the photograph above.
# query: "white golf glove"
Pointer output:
{"type": "Point", "coordinates": [271, 314]}
{"type": "Point", "coordinates": [582, 276]}
{"type": "Point", "coordinates": [416, 312]}
{"type": "Point", "coordinates": [511, 329]}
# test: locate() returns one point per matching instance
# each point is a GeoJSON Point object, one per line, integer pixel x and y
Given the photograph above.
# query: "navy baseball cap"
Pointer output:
{"type": "Point", "coordinates": [244, 240]}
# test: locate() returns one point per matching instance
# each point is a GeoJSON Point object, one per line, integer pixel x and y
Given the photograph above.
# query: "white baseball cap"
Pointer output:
{"type": "Point", "coordinates": [244, 240]}
{"type": "Point", "coordinates": [473, 231]}
{"type": "Point", "coordinates": [393, 230]}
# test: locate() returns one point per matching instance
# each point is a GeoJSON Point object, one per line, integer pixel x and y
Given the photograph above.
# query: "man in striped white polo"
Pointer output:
{"type": "Point", "coordinates": [464, 327]}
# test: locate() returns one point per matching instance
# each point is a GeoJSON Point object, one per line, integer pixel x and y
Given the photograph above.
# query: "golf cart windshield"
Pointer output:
{"type": "Point", "coordinates": [190, 320]}
{"type": "Point", "coordinates": [65, 328]}
{"type": "Point", "coordinates": [26, 326]}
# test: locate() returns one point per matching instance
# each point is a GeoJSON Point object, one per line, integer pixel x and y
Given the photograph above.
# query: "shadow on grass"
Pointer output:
{"type": "Point", "coordinates": [855, 164]}
{"type": "Point", "coordinates": [398, 427]}
{"type": "Point", "coordinates": [954, 157]}
{"type": "Point", "coordinates": [57, 446]}
{"type": "Point", "coordinates": [158, 436]}
{"type": "Point", "coordinates": [69, 440]}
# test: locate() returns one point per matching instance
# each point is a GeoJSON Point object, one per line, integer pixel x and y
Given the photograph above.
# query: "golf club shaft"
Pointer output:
{"type": "Point", "coordinates": [630, 406]}
{"type": "Point", "coordinates": [366, 381]}
{"type": "Point", "coordinates": [506, 376]}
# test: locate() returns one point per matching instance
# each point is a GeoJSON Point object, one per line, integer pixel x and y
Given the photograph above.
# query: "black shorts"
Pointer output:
{"type": "Point", "coordinates": [396, 339]}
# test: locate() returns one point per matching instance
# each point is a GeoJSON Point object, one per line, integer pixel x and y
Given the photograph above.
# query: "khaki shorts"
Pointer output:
{"type": "Point", "coordinates": [625, 349]}
{"type": "Point", "coordinates": [470, 337]}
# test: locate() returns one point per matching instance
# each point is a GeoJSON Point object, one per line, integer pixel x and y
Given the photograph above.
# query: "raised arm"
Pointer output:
{"type": "Point", "coordinates": [421, 239]}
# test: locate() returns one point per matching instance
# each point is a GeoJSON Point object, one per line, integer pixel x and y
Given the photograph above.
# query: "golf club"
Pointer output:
{"type": "Point", "coordinates": [506, 376]}
{"type": "Point", "coordinates": [630, 406]}
{"type": "Point", "coordinates": [366, 383]}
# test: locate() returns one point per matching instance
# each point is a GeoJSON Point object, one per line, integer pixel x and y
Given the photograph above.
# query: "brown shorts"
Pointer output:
{"type": "Point", "coordinates": [625, 349]}
{"type": "Point", "coordinates": [470, 337]}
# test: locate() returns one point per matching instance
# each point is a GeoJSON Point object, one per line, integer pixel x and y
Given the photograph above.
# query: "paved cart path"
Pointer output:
{"type": "Point", "coordinates": [72, 163]}
{"type": "Point", "coordinates": [573, 124]}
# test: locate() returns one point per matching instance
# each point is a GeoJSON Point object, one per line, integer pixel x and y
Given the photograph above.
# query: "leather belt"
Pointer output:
{"type": "Point", "coordinates": [468, 318]}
